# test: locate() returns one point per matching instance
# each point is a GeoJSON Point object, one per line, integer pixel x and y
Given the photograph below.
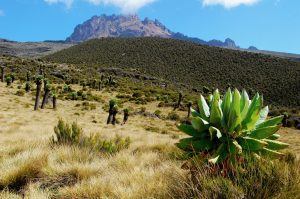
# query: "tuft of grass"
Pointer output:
{"type": "Point", "coordinates": [21, 169]}
{"type": "Point", "coordinates": [252, 179]}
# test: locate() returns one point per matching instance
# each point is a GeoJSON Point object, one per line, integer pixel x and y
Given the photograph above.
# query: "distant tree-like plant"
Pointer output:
{"type": "Point", "coordinates": [53, 94]}
{"type": "Point", "coordinates": [27, 86]}
{"type": "Point", "coordinates": [114, 114]}
{"type": "Point", "coordinates": [13, 77]}
{"type": "Point", "coordinates": [2, 73]}
{"type": "Point", "coordinates": [8, 80]}
{"type": "Point", "coordinates": [179, 101]}
{"type": "Point", "coordinates": [38, 81]}
{"type": "Point", "coordinates": [47, 89]}
{"type": "Point", "coordinates": [126, 115]}
{"type": "Point", "coordinates": [112, 104]}
{"type": "Point", "coordinates": [226, 129]}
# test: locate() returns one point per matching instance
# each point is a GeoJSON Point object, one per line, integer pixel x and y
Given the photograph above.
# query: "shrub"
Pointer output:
{"type": "Point", "coordinates": [115, 145]}
{"type": "Point", "coordinates": [73, 135]}
{"type": "Point", "coordinates": [231, 127]}
{"type": "Point", "coordinates": [20, 93]}
{"type": "Point", "coordinates": [66, 134]}
{"type": "Point", "coordinates": [157, 113]}
{"type": "Point", "coordinates": [173, 116]}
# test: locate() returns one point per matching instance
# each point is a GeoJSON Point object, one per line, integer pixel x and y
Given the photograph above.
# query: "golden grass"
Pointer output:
{"type": "Point", "coordinates": [147, 169]}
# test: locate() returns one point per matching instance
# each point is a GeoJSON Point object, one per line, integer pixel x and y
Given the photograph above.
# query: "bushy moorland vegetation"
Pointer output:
{"type": "Point", "coordinates": [196, 66]}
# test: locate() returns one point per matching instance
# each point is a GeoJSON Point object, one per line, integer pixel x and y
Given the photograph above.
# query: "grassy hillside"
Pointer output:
{"type": "Point", "coordinates": [192, 65]}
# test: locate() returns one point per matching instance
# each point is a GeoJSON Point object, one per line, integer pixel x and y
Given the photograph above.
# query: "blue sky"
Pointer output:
{"type": "Point", "coordinates": [266, 24]}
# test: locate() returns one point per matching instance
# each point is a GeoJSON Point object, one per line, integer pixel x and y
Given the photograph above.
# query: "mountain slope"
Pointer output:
{"type": "Point", "coordinates": [31, 49]}
{"type": "Point", "coordinates": [132, 26]}
{"type": "Point", "coordinates": [185, 63]}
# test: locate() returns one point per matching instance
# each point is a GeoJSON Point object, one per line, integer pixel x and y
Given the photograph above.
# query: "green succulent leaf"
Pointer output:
{"type": "Point", "coordinates": [263, 114]}
{"type": "Point", "coordinates": [274, 137]}
{"type": "Point", "coordinates": [275, 145]}
{"type": "Point", "coordinates": [220, 156]}
{"type": "Point", "coordinates": [263, 133]}
{"type": "Point", "coordinates": [226, 105]}
{"type": "Point", "coordinates": [195, 113]}
{"type": "Point", "coordinates": [203, 108]}
{"type": "Point", "coordinates": [199, 124]}
{"type": "Point", "coordinates": [189, 130]}
{"type": "Point", "coordinates": [271, 153]}
{"type": "Point", "coordinates": [214, 132]}
{"type": "Point", "coordinates": [244, 104]}
{"type": "Point", "coordinates": [253, 113]}
{"type": "Point", "coordinates": [234, 113]}
{"type": "Point", "coordinates": [216, 112]}
{"type": "Point", "coordinates": [271, 122]}
{"type": "Point", "coordinates": [191, 144]}
{"type": "Point", "coordinates": [251, 144]}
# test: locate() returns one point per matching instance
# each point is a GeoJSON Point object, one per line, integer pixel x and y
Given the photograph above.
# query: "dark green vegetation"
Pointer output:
{"type": "Point", "coordinates": [191, 65]}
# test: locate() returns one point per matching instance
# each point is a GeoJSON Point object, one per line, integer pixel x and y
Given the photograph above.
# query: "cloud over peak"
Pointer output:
{"type": "Point", "coordinates": [126, 6]}
{"type": "Point", "coordinates": [68, 3]}
{"type": "Point", "coordinates": [229, 3]}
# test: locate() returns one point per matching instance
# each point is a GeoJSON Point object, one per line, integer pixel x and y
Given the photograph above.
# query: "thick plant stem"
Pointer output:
{"type": "Point", "coordinates": [189, 105]}
{"type": "Point", "coordinates": [2, 73]}
{"type": "Point", "coordinates": [54, 102]}
{"type": "Point", "coordinates": [179, 101]}
{"type": "Point", "coordinates": [37, 96]}
{"type": "Point", "coordinates": [45, 98]}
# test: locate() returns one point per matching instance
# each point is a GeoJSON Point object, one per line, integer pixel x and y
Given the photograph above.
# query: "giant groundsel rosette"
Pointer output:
{"type": "Point", "coordinates": [231, 127]}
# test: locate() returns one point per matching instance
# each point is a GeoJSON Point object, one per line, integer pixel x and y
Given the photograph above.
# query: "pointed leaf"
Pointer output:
{"type": "Point", "coordinates": [234, 113]}
{"type": "Point", "coordinates": [195, 113]}
{"type": "Point", "coordinates": [263, 133]}
{"type": "Point", "coordinates": [203, 108]}
{"type": "Point", "coordinates": [199, 124]}
{"type": "Point", "coordinates": [220, 155]}
{"type": "Point", "coordinates": [274, 137]}
{"type": "Point", "coordinates": [216, 112]}
{"type": "Point", "coordinates": [271, 122]}
{"type": "Point", "coordinates": [251, 144]}
{"type": "Point", "coordinates": [271, 153]}
{"type": "Point", "coordinates": [189, 130]}
{"type": "Point", "coordinates": [244, 105]}
{"type": "Point", "coordinates": [214, 132]}
{"type": "Point", "coordinates": [194, 145]}
{"type": "Point", "coordinates": [263, 114]}
{"type": "Point", "coordinates": [275, 145]}
{"type": "Point", "coordinates": [226, 105]}
{"type": "Point", "coordinates": [253, 113]}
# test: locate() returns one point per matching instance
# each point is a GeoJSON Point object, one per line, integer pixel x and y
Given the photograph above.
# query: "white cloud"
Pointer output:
{"type": "Point", "coordinates": [68, 3]}
{"type": "Point", "coordinates": [229, 3]}
{"type": "Point", "coordinates": [2, 13]}
{"type": "Point", "coordinates": [126, 6]}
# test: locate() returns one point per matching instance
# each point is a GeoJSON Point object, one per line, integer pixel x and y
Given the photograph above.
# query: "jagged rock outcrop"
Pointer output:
{"type": "Point", "coordinates": [132, 26]}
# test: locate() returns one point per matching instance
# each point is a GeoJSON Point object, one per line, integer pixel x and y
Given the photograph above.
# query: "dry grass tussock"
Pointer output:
{"type": "Point", "coordinates": [31, 167]}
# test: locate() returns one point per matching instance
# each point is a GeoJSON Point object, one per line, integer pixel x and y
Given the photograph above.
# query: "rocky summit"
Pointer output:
{"type": "Point", "coordinates": [132, 26]}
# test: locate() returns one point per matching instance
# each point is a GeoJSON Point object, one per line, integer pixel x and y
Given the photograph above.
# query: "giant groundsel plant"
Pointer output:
{"type": "Point", "coordinates": [228, 128]}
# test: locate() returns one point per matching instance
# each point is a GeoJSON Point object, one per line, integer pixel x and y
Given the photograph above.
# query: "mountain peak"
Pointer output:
{"type": "Point", "coordinates": [118, 26]}
{"type": "Point", "coordinates": [132, 26]}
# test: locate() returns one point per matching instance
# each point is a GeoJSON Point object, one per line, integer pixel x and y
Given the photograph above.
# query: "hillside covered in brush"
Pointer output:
{"type": "Point", "coordinates": [195, 66]}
